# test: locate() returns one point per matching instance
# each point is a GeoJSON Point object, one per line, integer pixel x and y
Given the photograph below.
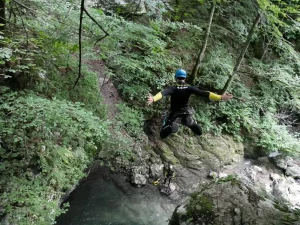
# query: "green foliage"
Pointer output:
{"type": "Point", "coordinates": [132, 121]}
{"type": "Point", "coordinates": [292, 215]}
{"type": "Point", "coordinates": [45, 62]}
{"type": "Point", "coordinates": [45, 147]}
{"type": "Point", "coordinates": [184, 10]}
{"type": "Point", "coordinates": [275, 137]}
{"type": "Point", "coordinates": [18, 61]}
{"type": "Point", "coordinates": [61, 86]}
{"type": "Point", "coordinates": [205, 116]}
{"type": "Point", "coordinates": [143, 62]}
{"type": "Point", "coordinates": [216, 68]}
{"type": "Point", "coordinates": [200, 208]}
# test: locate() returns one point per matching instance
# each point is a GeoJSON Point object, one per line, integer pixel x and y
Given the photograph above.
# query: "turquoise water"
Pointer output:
{"type": "Point", "coordinates": [109, 199]}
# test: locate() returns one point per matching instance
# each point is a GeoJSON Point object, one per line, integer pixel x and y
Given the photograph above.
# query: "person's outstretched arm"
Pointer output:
{"type": "Point", "coordinates": [159, 95]}
{"type": "Point", "coordinates": [151, 99]}
{"type": "Point", "coordinates": [211, 95]}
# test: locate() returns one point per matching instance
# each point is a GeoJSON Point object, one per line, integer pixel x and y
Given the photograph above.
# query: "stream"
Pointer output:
{"type": "Point", "coordinates": [106, 198]}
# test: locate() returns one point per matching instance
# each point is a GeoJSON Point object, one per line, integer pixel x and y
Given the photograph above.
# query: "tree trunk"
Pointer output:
{"type": "Point", "coordinates": [80, 43]}
{"type": "Point", "coordinates": [203, 48]}
{"type": "Point", "coordinates": [237, 66]}
{"type": "Point", "coordinates": [2, 15]}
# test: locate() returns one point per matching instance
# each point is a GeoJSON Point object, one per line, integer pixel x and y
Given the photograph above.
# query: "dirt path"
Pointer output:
{"type": "Point", "coordinates": [109, 92]}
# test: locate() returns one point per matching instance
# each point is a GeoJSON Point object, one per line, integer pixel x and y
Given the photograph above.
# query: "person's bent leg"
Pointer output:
{"type": "Point", "coordinates": [196, 128]}
{"type": "Point", "coordinates": [165, 131]}
{"type": "Point", "coordinates": [191, 123]}
{"type": "Point", "coordinates": [168, 128]}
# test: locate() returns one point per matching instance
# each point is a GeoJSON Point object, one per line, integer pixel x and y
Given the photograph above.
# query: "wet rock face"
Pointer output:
{"type": "Point", "coordinates": [229, 202]}
{"type": "Point", "coordinates": [156, 170]}
{"type": "Point", "coordinates": [197, 152]}
{"type": "Point", "coordinates": [288, 165]}
{"type": "Point", "coordinates": [265, 178]}
{"type": "Point", "coordinates": [194, 157]}
{"type": "Point", "coordinates": [138, 180]}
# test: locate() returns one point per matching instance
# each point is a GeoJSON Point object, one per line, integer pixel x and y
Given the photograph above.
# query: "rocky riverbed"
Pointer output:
{"type": "Point", "coordinates": [213, 182]}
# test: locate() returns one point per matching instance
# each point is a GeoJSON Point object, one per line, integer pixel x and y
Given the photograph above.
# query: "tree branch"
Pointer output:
{"type": "Point", "coordinates": [266, 48]}
{"type": "Point", "coordinates": [24, 6]}
{"type": "Point", "coordinates": [241, 56]}
{"type": "Point", "coordinates": [95, 21]}
{"type": "Point", "coordinates": [137, 7]}
{"type": "Point", "coordinates": [12, 12]}
{"type": "Point", "coordinates": [62, 22]}
{"type": "Point", "coordinates": [23, 24]}
{"type": "Point", "coordinates": [82, 10]}
{"type": "Point", "coordinates": [80, 47]}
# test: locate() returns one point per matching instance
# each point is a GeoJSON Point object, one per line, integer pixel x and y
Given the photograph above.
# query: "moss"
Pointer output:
{"type": "Point", "coordinates": [166, 154]}
{"type": "Point", "coordinates": [201, 208]}
{"type": "Point", "coordinates": [224, 148]}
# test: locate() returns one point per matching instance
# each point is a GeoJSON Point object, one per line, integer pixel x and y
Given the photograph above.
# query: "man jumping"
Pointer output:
{"type": "Point", "coordinates": [180, 94]}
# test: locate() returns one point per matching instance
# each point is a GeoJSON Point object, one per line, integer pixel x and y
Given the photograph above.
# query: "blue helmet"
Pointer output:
{"type": "Point", "coordinates": [180, 73]}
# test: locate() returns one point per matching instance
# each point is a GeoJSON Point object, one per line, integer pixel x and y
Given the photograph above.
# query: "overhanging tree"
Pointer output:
{"type": "Point", "coordinates": [204, 45]}
{"type": "Point", "coordinates": [276, 15]}
{"type": "Point", "coordinates": [241, 56]}
{"type": "Point", "coordinates": [83, 10]}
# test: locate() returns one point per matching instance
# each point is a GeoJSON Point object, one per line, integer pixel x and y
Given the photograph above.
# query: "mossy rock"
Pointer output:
{"type": "Point", "coordinates": [222, 147]}
{"type": "Point", "coordinates": [227, 202]}
{"type": "Point", "coordinates": [191, 151]}
{"type": "Point", "coordinates": [201, 207]}
{"type": "Point", "coordinates": [165, 152]}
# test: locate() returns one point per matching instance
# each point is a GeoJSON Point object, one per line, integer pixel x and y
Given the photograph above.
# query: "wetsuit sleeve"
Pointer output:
{"type": "Point", "coordinates": [213, 96]}
{"type": "Point", "coordinates": [157, 97]}
{"type": "Point", "coordinates": [205, 94]}
{"type": "Point", "coordinates": [168, 91]}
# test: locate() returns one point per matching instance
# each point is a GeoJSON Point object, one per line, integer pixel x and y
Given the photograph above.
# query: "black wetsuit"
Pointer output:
{"type": "Point", "coordinates": [180, 95]}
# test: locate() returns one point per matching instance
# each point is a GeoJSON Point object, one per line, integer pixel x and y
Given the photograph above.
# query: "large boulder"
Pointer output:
{"type": "Point", "coordinates": [293, 171]}
{"type": "Point", "coordinates": [206, 151]}
{"type": "Point", "coordinates": [282, 161]}
{"type": "Point", "coordinates": [195, 157]}
{"type": "Point", "coordinates": [264, 178]}
{"type": "Point", "coordinates": [289, 165]}
{"type": "Point", "coordinates": [228, 202]}
{"type": "Point", "coordinates": [138, 180]}
{"type": "Point", "coordinates": [156, 170]}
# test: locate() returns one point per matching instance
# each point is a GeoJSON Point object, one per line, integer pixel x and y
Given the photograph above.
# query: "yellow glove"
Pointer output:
{"type": "Point", "coordinates": [156, 182]}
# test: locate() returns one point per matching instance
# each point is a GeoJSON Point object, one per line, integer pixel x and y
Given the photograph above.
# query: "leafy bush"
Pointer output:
{"type": "Point", "coordinates": [275, 137]}
{"type": "Point", "coordinates": [45, 147]}
{"type": "Point", "coordinates": [19, 61]}
{"type": "Point", "coordinates": [216, 67]}
{"type": "Point", "coordinates": [132, 121]}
